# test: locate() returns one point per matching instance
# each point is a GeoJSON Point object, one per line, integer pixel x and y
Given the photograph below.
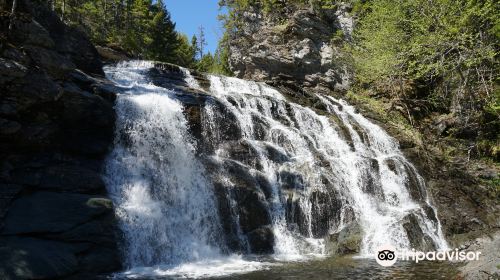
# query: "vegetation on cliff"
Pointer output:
{"type": "Point", "coordinates": [434, 57]}
{"type": "Point", "coordinates": [142, 28]}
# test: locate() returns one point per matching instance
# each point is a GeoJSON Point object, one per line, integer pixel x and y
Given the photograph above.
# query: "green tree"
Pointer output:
{"type": "Point", "coordinates": [163, 37]}
{"type": "Point", "coordinates": [185, 52]}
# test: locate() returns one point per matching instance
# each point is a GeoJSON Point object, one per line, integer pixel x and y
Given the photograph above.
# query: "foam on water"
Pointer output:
{"type": "Point", "coordinates": [201, 269]}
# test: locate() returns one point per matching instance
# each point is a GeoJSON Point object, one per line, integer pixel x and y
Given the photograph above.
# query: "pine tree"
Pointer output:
{"type": "Point", "coordinates": [185, 52]}
{"type": "Point", "coordinates": [164, 39]}
{"type": "Point", "coordinates": [194, 45]}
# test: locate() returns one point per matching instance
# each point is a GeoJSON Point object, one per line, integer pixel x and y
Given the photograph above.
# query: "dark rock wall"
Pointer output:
{"type": "Point", "coordinates": [56, 126]}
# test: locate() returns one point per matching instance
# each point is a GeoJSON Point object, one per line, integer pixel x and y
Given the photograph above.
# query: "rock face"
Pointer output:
{"type": "Point", "coordinates": [487, 266]}
{"type": "Point", "coordinates": [297, 46]}
{"type": "Point", "coordinates": [56, 125]}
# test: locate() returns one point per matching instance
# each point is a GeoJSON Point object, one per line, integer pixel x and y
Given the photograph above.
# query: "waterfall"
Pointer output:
{"type": "Point", "coordinates": [263, 175]}
{"type": "Point", "coordinates": [155, 178]}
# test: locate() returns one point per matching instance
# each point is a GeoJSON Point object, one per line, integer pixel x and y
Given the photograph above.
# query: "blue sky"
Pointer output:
{"type": "Point", "coordinates": [190, 14]}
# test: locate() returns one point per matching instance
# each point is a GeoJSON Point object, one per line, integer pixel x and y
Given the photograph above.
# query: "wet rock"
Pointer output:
{"type": "Point", "coordinates": [111, 54]}
{"type": "Point", "coordinates": [241, 151]}
{"type": "Point", "coordinates": [276, 155]}
{"type": "Point", "coordinates": [371, 178]}
{"type": "Point", "coordinates": [253, 209]}
{"type": "Point", "coordinates": [325, 213]}
{"type": "Point", "coordinates": [252, 204]}
{"type": "Point", "coordinates": [414, 185]}
{"type": "Point", "coordinates": [290, 180]}
{"type": "Point", "coordinates": [261, 240]}
{"type": "Point", "coordinates": [417, 239]}
{"type": "Point", "coordinates": [347, 241]}
{"type": "Point", "coordinates": [193, 116]}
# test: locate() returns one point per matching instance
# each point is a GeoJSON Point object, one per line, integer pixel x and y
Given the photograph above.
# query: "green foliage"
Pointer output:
{"type": "Point", "coordinates": [440, 54]}
{"type": "Point", "coordinates": [425, 40]}
{"type": "Point", "coordinates": [141, 27]}
{"type": "Point", "coordinates": [217, 63]}
{"type": "Point", "coordinates": [164, 40]}
{"type": "Point", "coordinates": [185, 52]}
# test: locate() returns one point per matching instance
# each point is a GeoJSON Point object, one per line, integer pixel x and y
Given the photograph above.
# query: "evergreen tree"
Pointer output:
{"type": "Point", "coordinates": [164, 39]}
{"type": "Point", "coordinates": [205, 64]}
{"type": "Point", "coordinates": [185, 52]}
{"type": "Point", "coordinates": [194, 45]}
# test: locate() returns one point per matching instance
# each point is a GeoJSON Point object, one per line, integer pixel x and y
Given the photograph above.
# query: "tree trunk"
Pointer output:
{"type": "Point", "coordinates": [12, 14]}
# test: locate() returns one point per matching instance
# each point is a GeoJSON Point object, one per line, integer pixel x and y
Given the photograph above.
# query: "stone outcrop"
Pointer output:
{"type": "Point", "coordinates": [296, 47]}
{"type": "Point", "coordinates": [486, 267]}
{"type": "Point", "coordinates": [56, 126]}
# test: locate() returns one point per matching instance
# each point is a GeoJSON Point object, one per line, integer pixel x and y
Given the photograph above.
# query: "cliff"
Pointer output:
{"type": "Point", "coordinates": [56, 120]}
{"type": "Point", "coordinates": [295, 46]}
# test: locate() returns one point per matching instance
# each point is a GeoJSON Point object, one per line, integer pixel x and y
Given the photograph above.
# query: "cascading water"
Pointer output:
{"type": "Point", "coordinates": [155, 178]}
{"type": "Point", "coordinates": [381, 214]}
{"type": "Point", "coordinates": [264, 175]}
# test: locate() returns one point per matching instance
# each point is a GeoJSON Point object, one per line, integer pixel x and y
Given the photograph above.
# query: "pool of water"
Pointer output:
{"type": "Point", "coordinates": [327, 268]}
{"type": "Point", "coordinates": [352, 268]}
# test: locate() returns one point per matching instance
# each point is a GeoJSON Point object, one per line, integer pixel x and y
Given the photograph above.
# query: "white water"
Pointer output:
{"type": "Point", "coordinates": [166, 203]}
{"type": "Point", "coordinates": [380, 217]}
{"type": "Point", "coordinates": [302, 134]}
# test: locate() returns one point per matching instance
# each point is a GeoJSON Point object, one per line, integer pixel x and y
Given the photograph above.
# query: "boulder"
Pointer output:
{"type": "Point", "coordinates": [261, 240]}
{"type": "Point", "coordinates": [346, 241]}
{"type": "Point", "coordinates": [417, 239]}
{"type": "Point", "coordinates": [111, 55]}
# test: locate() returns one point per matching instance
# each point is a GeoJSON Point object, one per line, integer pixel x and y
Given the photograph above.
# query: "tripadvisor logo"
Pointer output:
{"type": "Point", "coordinates": [386, 255]}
